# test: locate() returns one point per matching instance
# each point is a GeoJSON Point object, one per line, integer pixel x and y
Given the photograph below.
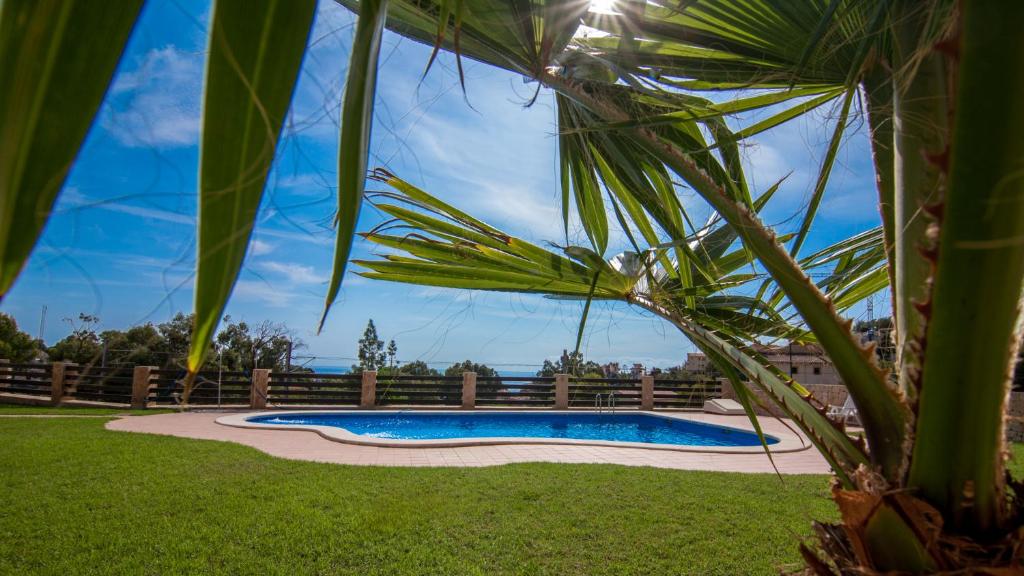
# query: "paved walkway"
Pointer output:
{"type": "Point", "coordinates": [306, 445]}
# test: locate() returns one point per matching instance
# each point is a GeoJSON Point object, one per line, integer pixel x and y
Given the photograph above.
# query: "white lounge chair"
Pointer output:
{"type": "Point", "coordinates": [845, 412]}
{"type": "Point", "coordinates": [723, 406]}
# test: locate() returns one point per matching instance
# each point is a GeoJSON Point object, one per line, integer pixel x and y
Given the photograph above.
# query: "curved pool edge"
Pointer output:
{"type": "Point", "coordinates": [789, 441]}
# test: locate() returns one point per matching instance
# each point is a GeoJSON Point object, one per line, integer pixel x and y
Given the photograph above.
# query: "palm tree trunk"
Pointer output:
{"type": "Point", "coordinates": [971, 338]}
{"type": "Point", "coordinates": [920, 111]}
{"type": "Point", "coordinates": [878, 97]}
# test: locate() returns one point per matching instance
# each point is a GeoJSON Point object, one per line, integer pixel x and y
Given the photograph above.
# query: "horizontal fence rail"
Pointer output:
{"type": "Point", "coordinates": [294, 388]}
{"type": "Point", "coordinates": [681, 394]}
{"type": "Point", "coordinates": [584, 392]}
{"type": "Point", "coordinates": [537, 392]}
{"type": "Point", "coordinates": [407, 390]}
{"type": "Point", "coordinates": [212, 387]}
{"type": "Point", "coordinates": [112, 384]}
{"type": "Point", "coordinates": [30, 379]}
{"type": "Point", "coordinates": [142, 386]}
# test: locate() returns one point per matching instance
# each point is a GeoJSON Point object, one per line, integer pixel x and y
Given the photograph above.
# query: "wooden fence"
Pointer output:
{"type": "Point", "coordinates": [110, 384]}
{"type": "Point", "coordinates": [592, 392]}
{"type": "Point", "coordinates": [211, 388]}
{"type": "Point", "coordinates": [142, 386]}
{"type": "Point", "coordinates": [538, 392]}
{"type": "Point", "coordinates": [295, 388]}
{"type": "Point", "coordinates": [29, 379]}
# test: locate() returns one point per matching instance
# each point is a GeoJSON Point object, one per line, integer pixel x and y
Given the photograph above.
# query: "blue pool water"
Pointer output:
{"type": "Point", "coordinates": [622, 427]}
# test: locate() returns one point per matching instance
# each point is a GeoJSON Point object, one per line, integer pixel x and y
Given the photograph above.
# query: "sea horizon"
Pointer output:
{"type": "Point", "coordinates": [334, 369]}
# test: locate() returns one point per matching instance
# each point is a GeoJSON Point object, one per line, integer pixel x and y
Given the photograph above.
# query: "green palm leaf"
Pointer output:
{"type": "Point", "coordinates": [354, 144]}
{"type": "Point", "coordinates": [256, 49]}
{"type": "Point", "coordinates": [55, 74]}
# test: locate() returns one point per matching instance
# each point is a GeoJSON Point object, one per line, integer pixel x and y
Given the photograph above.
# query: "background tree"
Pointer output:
{"type": "Point", "coordinates": [139, 345]}
{"type": "Point", "coordinates": [238, 347]}
{"type": "Point", "coordinates": [672, 373]}
{"type": "Point", "coordinates": [417, 368]}
{"type": "Point", "coordinates": [82, 345]}
{"type": "Point", "coordinates": [176, 336]}
{"type": "Point", "coordinates": [392, 352]}
{"type": "Point", "coordinates": [15, 345]}
{"type": "Point", "coordinates": [371, 350]}
{"type": "Point", "coordinates": [482, 370]}
{"type": "Point", "coordinates": [265, 345]}
{"type": "Point", "coordinates": [571, 363]}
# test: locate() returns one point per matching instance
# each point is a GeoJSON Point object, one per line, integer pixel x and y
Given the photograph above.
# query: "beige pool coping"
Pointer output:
{"type": "Point", "coordinates": [311, 445]}
{"type": "Point", "coordinates": [786, 442]}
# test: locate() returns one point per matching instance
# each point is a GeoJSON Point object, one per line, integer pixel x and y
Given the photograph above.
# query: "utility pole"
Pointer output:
{"type": "Point", "coordinates": [871, 317]}
{"type": "Point", "coordinates": [288, 357]}
{"type": "Point", "coordinates": [42, 321]}
{"type": "Point", "coordinates": [791, 358]}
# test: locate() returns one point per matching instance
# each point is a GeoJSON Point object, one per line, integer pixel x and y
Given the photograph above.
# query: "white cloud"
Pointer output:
{"type": "Point", "coordinates": [260, 291]}
{"type": "Point", "coordinates": [309, 184]}
{"type": "Point", "coordinates": [293, 273]}
{"type": "Point", "coordinates": [73, 199]}
{"type": "Point", "coordinates": [259, 248]}
{"type": "Point", "coordinates": [310, 237]}
{"type": "Point", "coordinates": [157, 104]}
{"type": "Point", "coordinates": [495, 160]}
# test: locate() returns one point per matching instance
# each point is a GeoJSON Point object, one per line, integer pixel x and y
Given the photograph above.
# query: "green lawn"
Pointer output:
{"type": "Point", "coordinates": [1016, 464]}
{"type": "Point", "coordinates": [19, 410]}
{"type": "Point", "coordinates": [79, 499]}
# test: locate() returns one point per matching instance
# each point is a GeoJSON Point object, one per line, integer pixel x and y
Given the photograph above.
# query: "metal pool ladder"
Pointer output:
{"type": "Point", "coordinates": [609, 402]}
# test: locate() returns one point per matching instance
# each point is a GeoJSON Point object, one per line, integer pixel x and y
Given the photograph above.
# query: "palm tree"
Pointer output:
{"type": "Point", "coordinates": [928, 491]}
{"type": "Point", "coordinates": [940, 83]}
{"type": "Point", "coordinates": [703, 293]}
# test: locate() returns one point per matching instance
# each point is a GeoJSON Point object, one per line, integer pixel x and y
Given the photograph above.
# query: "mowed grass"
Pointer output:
{"type": "Point", "coordinates": [76, 498]}
{"type": "Point", "coordinates": [1016, 463]}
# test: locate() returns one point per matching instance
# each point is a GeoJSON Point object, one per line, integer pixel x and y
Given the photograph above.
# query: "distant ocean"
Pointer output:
{"type": "Point", "coordinates": [347, 369]}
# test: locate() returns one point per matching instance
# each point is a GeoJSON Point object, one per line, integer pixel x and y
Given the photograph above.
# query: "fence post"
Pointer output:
{"type": "Point", "coordinates": [561, 391]}
{"type": "Point", "coordinates": [57, 382]}
{"type": "Point", "coordinates": [725, 389]}
{"type": "Point", "coordinates": [469, 389]}
{"type": "Point", "coordinates": [140, 385]}
{"type": "Point", "coordinates": [647, 392]}
{"type": "Point", "coordinates": [5, 370]}
{"type": "Point", "coordinates": [369, 396]}
{"type": "Point", "coordinates": [259, 388]}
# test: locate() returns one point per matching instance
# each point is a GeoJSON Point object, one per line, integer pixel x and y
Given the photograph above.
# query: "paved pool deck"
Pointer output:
{"type": "Point", "coordinates": [307, 445]}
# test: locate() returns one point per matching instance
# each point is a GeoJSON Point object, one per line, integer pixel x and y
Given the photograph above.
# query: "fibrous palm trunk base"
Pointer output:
{"type": "Point", "coordinates": [894, 533]}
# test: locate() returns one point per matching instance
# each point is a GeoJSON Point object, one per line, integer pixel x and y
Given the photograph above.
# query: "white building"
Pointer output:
{"type": "Point", "coordinates": [697, 363]}
{"type": "Point", "coordinates": [806, 363]}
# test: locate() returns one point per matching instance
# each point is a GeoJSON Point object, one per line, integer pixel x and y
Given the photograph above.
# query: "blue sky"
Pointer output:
{"type": "Point", "coordinates": [122, 242]}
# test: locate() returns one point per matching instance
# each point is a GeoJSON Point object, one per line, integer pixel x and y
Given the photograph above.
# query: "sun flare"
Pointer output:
{"type": "Point", "coordinates": [603, 6]}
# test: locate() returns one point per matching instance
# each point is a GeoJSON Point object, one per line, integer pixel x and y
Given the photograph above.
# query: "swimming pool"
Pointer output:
{"type": "Point", "coordinates": [408, 427]}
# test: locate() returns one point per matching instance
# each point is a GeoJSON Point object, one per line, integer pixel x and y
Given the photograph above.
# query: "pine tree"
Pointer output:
{"type": "Point", "coordinates": [371, 349]}
{"type": "Point", "coordinates": [392, 353]}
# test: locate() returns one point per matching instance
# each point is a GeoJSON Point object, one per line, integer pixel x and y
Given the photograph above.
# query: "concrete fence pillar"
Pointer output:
{"type": "Point", "coordinates": [647, 392]}
{"type": "Point", "coordinates": [369, 395]}
{"type": "Point", "coordinates": [469, 389]}
{"type": "Point", "coordinates": [725, 389]}
{"type": "Point", "coordinates": [59, 369]}
{"type": "Point", "coordinates": [561, 391]}
{"type": "Point", "coordinates": [141, 376]}
{"type": "Point", "coordinates": [260, 388]}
